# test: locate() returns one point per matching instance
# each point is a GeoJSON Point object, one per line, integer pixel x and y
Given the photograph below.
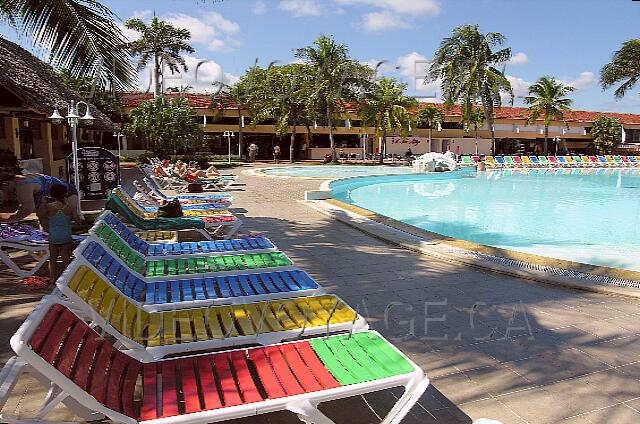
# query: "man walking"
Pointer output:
{"type": "Point", "coordinates": [253, 151]}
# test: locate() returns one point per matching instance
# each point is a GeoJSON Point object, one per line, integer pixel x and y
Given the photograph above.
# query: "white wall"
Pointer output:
{"type": "Point", "coordinates": [420, 145]}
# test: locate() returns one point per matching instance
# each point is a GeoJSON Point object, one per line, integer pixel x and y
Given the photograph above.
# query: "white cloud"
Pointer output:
{"type": "Point", "coordinates": [129, 34]}
{"type": "Point", "coordinates": [584, 80]}
{"type": "Point", "coordinates": [259, 8]}
{"type": "Point", "coordinates": [519, 58]}
{"type": "Point", "coordinates": [210, 29]}
{"type": "Point", "coordinates": [301, 7]}
{"type": "Point", "coordinates": [520, 86]}
{"type": "Point", "coordinates": [142, 14]}
{"type": "Point", "coordinates": [403, 7]}
{"type": "Point", "coordinates": [383, 21]}
{"type": "Point", "coordinates": [201, 75]}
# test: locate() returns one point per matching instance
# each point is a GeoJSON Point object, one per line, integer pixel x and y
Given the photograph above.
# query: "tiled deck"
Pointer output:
{"type": "Point", "coordinates": [493, 346]}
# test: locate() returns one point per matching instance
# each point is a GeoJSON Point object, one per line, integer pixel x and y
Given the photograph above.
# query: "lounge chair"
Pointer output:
{"type": "Point", "coordinates": [152, 211]}
{"type": "Point", "coordinates": [217, 184]}
{"type": "Point", "coordinates": [562, 161]}
{"type": "Point", "coordinates": [466, 160]}
{"type": "Point", "coordinates": [535, 161]}
{"type": "Point", "coordinates": [633, 161]}
{"type": "Point", "coordinates": [221, 225]}
{"type": "Point", "coordinates": [188, 198]}
{"type": "Point", "coordinates": [544, 161]}
{"type": "Point", "coordinates": [490, 161]}
{"type": "Point", "coordinates": [108, 229]}
{"type": "Point", "coordinates": [149, 197]}
{"type": "Point", "coordinates": [186, 291]}
{"type": "Point", "coordinates": [159, 268]}
{"type": "Point", "coordinates": [95, 379]}
{"type": "Point", "coordinates": [476, 159]}
{"type": "Point", "coordinates": [526, 161]}
{"type": "Point", "coordinates": [157, 334]}
{"type": "Point", "coordinates": [500, 161]}
{"type": "Point", "coordinates": [18, 237]}
{"type": "Point", "coordinates": [553, 160]}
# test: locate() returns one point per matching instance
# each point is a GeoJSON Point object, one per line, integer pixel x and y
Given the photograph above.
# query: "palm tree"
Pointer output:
{"type": "Point", "coordinates": [431, 118]}
{"type": "Point", "coordinates": [473, 118]}
{"type": "Point", "coordinates": [161, 43]}
{"type": "Point", "coordinates": [81, 35]}
{"type": "Point", "coordinates": [547, 97]}
{"type": "Point", "coordinates": [338, 79]}
{"type": "Point", "coordinates": [386, 109]}
{"type": "Point", "coordinates": [625, 66]}
{"type": "Point", "coordinates": [467, 65]}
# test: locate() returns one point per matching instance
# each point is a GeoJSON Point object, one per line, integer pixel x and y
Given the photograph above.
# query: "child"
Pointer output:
{"type": "Point", "coordinates": [57, 222]}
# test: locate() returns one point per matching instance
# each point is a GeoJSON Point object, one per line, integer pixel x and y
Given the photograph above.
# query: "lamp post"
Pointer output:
{"type": "Point", "coordinates": [74, 119]}
{"type": "Point", "coordinates": [228, 134]}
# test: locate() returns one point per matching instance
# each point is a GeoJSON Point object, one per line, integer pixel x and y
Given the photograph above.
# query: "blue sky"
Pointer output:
{"type": "Point", "coordinates": [568, 39]}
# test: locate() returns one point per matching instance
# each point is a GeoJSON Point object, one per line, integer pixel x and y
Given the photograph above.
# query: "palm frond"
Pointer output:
{"type": "Point", "coordinates": [81, 35]}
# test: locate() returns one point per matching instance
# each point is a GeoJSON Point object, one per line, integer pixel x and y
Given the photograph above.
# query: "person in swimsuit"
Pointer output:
{"type": "Point", "coordinates": [31, 189]}
{"type": "Point", "coordinates": [57, 213]}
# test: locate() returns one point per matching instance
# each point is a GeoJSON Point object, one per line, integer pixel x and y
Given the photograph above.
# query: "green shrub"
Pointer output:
{"type": "Point", "coordinates": [144, 158]}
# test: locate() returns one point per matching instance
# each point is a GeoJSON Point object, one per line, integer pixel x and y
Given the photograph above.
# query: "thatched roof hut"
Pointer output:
{"type": "Point", "coordinates": [30, 86]}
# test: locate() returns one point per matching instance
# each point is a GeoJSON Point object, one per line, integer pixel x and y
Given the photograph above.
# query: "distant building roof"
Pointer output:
{"type": "Point", "coordinates": [35, 83]}
{"type": "Point", "coordinates": [200, 100]}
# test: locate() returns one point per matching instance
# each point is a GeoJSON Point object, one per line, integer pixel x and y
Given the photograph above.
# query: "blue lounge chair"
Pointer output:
{"type": "Point", "coordinates": [122, 232]}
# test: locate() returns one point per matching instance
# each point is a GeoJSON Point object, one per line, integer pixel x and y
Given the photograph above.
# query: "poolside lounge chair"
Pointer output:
{"type": "Point", "coordinates": [222, 200]}
{"type": "Point", "coordinates": [152, 211]}
{"type": "Point", "coordinates": [633, 161]}
{"type": "Point", "coordinates": [500, 161]}
{"type": "Point", "coordinates": [188, 198]}
{"type": "Point", "coordinates": [224, 225]}
{"type": "Point", "coordinates": [108, 229]}
{"type": "Point", "coordinates": [146, 199]}
{"type": "Point", "coordinates": [189, 290]}
{"type": "Point", "coordinates": [20, 237]}
{"type": "Point", "coordinates": [160, 267]}
{"type": "Point", "coordinates": [476, 159]}
{"type": "Point", "coordinates": [509, 162]}
{"type": "Point", "coordinates": [535, 161]}
{"type": "Point", "coordinates": [517, 160]}
{"type": "Point", "coordinates": [526, 161]}
{"type": "Point", "coordinates": [466, 160]}
{"type": "Point", "coordinates": [156, 334]}
{"type": "Point", "coordinates": [544, 161]}
{"type": "Point", "coordinates": [490, 161]}
{"type": "Point", "coordinates": [95, 379]}
{"type": "Point", "coordinates": [562, 161]}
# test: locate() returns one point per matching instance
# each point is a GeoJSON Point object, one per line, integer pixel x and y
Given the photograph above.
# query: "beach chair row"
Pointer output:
{"type": "Point", "coordinates": [183, 298]}
{"type": "Point", "coordinates": [514, 161]}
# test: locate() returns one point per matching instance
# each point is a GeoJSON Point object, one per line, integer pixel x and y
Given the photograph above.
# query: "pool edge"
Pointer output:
{"type": "Point", "coordinates": [527, 266]}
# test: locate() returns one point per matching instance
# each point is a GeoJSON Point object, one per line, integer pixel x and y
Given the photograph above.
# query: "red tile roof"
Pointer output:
{"type": "Point", "coordinates": [202, 101]}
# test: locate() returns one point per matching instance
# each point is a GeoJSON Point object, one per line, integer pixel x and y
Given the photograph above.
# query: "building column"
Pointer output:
{"type": "Point", "coordinates": [12, 127]}
{"type": "Point", "coordinates": [43, 147]}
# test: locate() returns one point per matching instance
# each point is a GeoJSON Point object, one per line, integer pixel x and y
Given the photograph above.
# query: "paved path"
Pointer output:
{"type": "Point", "coordinates": [493, 346]}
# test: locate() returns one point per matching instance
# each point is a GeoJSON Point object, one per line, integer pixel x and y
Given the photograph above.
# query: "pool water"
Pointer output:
{"type": "Point", "coordinates": [592, 218]}
{"type": "Point", "coordinates": [339, 171]}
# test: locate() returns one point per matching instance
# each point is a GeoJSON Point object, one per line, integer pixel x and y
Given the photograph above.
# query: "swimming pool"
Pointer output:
{"type": "Point", "coordinates": [589, 216]}
{"type": "Point", "coordinates": [336, 171]}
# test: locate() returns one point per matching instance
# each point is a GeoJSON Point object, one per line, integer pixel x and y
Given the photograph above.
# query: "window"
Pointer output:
{"type": "Point", "coordinates": [2, 133]}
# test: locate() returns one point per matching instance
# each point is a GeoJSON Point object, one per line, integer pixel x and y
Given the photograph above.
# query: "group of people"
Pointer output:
{"type": "Point", "coordinates": [191, 172]}
{"type": "Point", "coordinates": [55, 203]}
{"type": "Point", "coordinates": [253, 152]}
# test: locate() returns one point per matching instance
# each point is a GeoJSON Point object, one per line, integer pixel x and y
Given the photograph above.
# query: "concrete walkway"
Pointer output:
{"type": "Point", "coordinates": [493, 346]}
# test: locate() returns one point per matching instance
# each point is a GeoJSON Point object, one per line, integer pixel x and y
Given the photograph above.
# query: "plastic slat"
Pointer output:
{"type": "Point", "coordinates": [198, 288]}
{"type": "Point", "coordinates": [320, 372]}
{"type": "Point", "coordinates": [129, 387]}
{"type": "Point", "coordinates": [246, 384]}
{"type": "Point", "coordinates": [244, 283]}
{"type": "Point", "coordinates": [189, 386]}
{"type": "Point", "coordinates": [331, 362]}
{"type": "Point", "coordinates": [71, 348]}
{"type": "Point", "coordinates": [100, 372]}
{"type": "Point", "coordinates": [211, 290]}
{"type": "Point", "coordinates": [266, 280]}
{"type": "Point", "coordinates": [266, 374]}
{"type": "Point", "coordinates": [57, 334]}
{"type": "Point", "coordinates": [255, 285]}
{"type": "Point", "coordinates": [383, 353]}
{"type": "Point", "coordinates": [286, 377]}
{"type": "Point", "coordinates": [169, 389]}
{"type": "Point", "coordinates": [149, 407]}
{"type": "Point", "coordinates": [115, 381]}
{"type": "Point", "coordinates": [227, 383]}
{"type": "Point", "coordinates": [186, 290]}
{"type": "Point", "coordinates": [306, 379]}
{"type": "Point", "coordinates": [208, 383]}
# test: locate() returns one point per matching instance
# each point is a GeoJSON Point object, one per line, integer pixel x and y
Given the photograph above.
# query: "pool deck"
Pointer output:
{"type": "Point", "coordinates": [494, 346]}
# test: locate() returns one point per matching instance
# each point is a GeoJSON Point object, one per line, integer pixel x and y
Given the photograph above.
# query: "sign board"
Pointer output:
{"type": "Point", "coordinates": [99, 172]}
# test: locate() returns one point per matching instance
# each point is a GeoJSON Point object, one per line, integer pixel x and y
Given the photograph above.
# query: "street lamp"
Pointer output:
{"type": "Point", "coordinates": [228, 134]}
{"type": "Point", "coordinates": [74, 119]}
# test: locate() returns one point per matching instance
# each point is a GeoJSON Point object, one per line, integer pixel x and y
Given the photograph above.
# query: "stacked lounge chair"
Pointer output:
{"type": "Point", "coordinates": [198, 302]}
{"type": "Point", "coordinates": [575, 161]}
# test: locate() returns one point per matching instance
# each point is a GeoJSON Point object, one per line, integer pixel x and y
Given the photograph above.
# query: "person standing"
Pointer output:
{"type": "Point", "coordinates": [57, 214]}
{"type": "Point", "coordinates": [276, 153]}
{"type": "Point", "coordinates": [253, 151]}
{"type": "Point", "coordinates": [31, 190]}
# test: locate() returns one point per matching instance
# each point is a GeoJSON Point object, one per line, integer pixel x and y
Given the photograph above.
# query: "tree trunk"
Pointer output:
{"type": "Point", "coordinates": [155, 76]}
{"type": "Point", "coordinates": [383, 147]}
{"type": "Point", "coordinates": [476, 141]}
{"type": "Point", "coordinates": [546, 139]}
{"type": "Point", "coordinates": [293, 141]}
{"type": "Point", "coordinates": [489, 120]}
{"type": "Point", "coordinates": [332, 144]}
{"type": "Point", "coordinates": [430, 145]}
